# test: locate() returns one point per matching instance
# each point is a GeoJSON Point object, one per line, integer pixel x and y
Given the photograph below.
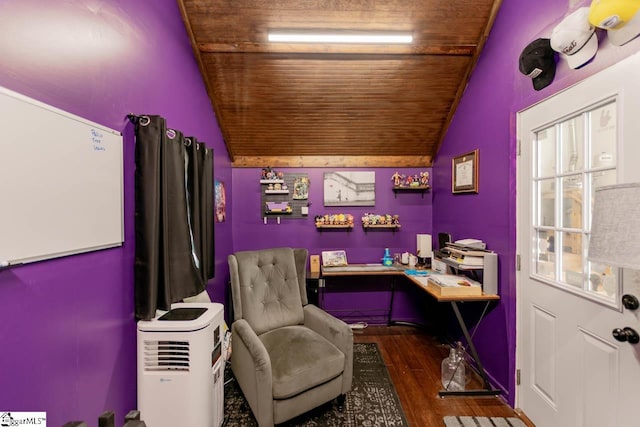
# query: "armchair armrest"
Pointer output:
{"type": "Point", "coordinates": [335, 331]}
{"type": "Point", "coordinates": [251, 366]}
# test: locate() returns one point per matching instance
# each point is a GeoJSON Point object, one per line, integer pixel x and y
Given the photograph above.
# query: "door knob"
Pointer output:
{"type": "Point", "coordinates": [630, 302]}
{"type": "Point", "coordinates": [626, 334]}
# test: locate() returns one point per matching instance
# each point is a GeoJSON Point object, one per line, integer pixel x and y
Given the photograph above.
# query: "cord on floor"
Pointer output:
{"type": "Point", "coordinates": [358, 325]}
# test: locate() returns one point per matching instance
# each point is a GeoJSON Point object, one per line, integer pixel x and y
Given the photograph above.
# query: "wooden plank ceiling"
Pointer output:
{"type": "Point", "coordinates": [306, 105]}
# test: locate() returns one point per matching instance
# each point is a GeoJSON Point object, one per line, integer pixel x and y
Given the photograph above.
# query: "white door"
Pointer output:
{"type": "Point", "coordinates": [572, 371]}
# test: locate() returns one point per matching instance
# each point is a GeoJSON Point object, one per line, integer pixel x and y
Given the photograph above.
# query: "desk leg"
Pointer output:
{"type": "Point", "coordinates": [393, 292]}
{"type": "Point", "coordinates": [487, 391]}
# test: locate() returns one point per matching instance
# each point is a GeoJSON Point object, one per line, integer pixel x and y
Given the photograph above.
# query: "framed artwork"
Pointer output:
{"type": "Point", "coordinates": [220, 202]}
{"type": "Point", "coordinates": [334, 258]}
{"type": "Point", "coordinates": [301, 188]}
{"type": "Point", "coordinates": [464, 173]}
{"type": "Point", "coordinates": [350, 188]}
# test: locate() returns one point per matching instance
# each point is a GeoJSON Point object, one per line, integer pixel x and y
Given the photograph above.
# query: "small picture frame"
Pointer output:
{"type": "Point", "coordinates": [334, 259]}
{"type": "Point", "coordinates": [464, 173]}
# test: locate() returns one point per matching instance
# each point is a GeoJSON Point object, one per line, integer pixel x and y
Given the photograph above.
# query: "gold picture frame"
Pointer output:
{"type": "Point", "coordinates": [464, 173]}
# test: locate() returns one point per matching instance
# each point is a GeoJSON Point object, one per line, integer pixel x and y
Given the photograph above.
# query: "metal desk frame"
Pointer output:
{"type": "Point", "coordinates": [360, 270]}
{"type": "Point", "coordinates": [454, 300]}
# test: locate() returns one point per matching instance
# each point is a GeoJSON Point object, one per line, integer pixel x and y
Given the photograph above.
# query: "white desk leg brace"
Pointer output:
{"type": "Point", "coordinates": [487, 391]}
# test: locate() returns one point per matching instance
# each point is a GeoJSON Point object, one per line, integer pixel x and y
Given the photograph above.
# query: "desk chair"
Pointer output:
{"type": "Point", "coordinates": [288, 356]}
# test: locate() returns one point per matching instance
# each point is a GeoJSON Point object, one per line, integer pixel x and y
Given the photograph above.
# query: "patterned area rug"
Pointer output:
{"type": "Point", "coordinates": [482, 422]}
{"type": "Point", "coordinates": [372, 401]}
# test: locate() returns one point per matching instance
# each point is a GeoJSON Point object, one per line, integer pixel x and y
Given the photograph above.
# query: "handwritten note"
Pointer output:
{"type": "Point", "coordinates": [96, 139]}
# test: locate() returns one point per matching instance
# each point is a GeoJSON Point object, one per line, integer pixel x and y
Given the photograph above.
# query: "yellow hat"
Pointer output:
{"type": "Point", "coordinates": [618, 17]}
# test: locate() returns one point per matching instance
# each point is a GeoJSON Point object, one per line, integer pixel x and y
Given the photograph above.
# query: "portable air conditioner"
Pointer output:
{"type": "Point", "coordinates": [181, 368]}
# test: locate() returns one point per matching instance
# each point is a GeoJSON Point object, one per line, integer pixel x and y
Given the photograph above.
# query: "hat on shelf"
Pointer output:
{"type": "Point", "coordinates": [538, 61]}
{"type": "Point", "coordinates": [619, 17]}
{"type": "Point", "coordinates": [575, 38]}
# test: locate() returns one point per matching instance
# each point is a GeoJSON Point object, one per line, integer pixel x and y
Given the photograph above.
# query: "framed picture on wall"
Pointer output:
{"type": "Point", "coordinates": [346, 188]}
{"type": "Point", "coordinates": [464, 173]}
{"type": "Point", "coordinates": [334, 258]}
{"type": "Point", "coordinates": [220, 202]}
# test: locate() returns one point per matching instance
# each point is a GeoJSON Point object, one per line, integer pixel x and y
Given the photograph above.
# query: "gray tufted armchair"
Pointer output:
{"type": "Point", "coordinates": [288, 356]}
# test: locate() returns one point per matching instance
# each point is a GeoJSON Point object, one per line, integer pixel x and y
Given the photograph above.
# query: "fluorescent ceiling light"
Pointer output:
{"type": "Point", "coordinates": [338, 37]}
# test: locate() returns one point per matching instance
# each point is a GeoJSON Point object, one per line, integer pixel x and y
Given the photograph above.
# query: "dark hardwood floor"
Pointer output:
{"type": "Point", "coordinates": [413, 358]}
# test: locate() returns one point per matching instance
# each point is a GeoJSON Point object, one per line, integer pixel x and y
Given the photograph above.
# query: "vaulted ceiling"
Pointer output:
{"type": "Point", "coordinates": [348, 105]}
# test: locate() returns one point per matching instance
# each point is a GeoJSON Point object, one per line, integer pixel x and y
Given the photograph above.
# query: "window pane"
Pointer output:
{"type": "Point", "coordinates": [603, 280]}
{"type": "Point", "coordinates": [572, 139]}
{"type": "Point", "coordinates": [599, 179]}
{"type": "Point", "coordinates": [572, 273]}
{"type": "Point", "coordinates": [546, 158]}
{"type": "Point", "coordinates": [603, 136]}
{"type": "Point", "coordinates": [545, 261]}
{"type": "Point", "coordinates": [572, 202]}
{"type": "Point", "coordinates": [547, 202]}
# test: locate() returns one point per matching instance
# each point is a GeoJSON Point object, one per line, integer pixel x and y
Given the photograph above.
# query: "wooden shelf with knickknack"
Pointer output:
{"type": "Point", "coordinates": [334, 221]}
{"type": "Point", "coordinates": [416, 183]}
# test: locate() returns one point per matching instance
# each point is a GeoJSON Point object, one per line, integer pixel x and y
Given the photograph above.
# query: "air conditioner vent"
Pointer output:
{"type": "Point", "coordinates": [162, 355]}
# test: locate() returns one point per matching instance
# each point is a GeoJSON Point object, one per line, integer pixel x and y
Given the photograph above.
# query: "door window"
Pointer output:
{"type": "Point", "coordinates": [573, 157]}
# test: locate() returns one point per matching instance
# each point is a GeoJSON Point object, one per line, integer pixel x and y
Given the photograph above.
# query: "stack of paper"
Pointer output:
{"type": "Point", "coordinates": [467, 256]}
{"type": "Point", "coordinates": [471, 243]}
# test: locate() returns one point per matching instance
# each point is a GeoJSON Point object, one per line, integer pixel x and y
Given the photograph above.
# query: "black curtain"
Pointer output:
{"type": "Point", "coordinates": [200, 189]}
{"type": "Point", "coordinates": [173, 216]}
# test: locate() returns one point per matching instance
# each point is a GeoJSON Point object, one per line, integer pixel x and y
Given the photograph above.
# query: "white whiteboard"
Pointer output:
{"type": "Point", "coordinates": [61, 182]}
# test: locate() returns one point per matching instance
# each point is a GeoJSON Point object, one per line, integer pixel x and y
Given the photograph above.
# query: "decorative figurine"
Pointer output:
{"type": "Point", "coordinates": [350, 219]}
{"type": "Point", "coordinates": [397, 179]}
{"type": "Point", "coordinates": [424, 178]}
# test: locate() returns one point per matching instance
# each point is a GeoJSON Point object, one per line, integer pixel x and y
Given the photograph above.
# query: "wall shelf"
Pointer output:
{"type": "Point", "coordinates": [272, 181]}
{"type": "Point", "coordinates": [392, 227]}
{"type": "Point", "coordinates": [347, 227]}
{"type": "Point", "coordinates": [419, 189]}
{"type": "Point", "coordinates": [276, 191]}
{"type": "Point", "coordinates": [277, 213]}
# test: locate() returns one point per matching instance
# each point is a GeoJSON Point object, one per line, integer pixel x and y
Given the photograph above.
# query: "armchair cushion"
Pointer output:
{"type": "Point", "coordinates": [300, 360]}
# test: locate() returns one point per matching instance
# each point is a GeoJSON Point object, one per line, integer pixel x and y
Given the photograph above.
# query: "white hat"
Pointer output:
{"type": "Point", "coordinates": [619, 17]}
{"type": "Point", "coordinates": [575, 38]}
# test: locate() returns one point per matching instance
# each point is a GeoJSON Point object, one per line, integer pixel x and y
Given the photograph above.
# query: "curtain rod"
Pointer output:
{"type": "Point", "coordinates": [135, 119]}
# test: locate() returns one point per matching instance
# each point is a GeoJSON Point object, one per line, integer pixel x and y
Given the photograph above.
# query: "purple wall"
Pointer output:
{"type": "Point", "coordinates": [249, 231]}
{"type": "Point", "coordinates": [486, 119]}
{"type": "Point", "coordinates": [67, 325]}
